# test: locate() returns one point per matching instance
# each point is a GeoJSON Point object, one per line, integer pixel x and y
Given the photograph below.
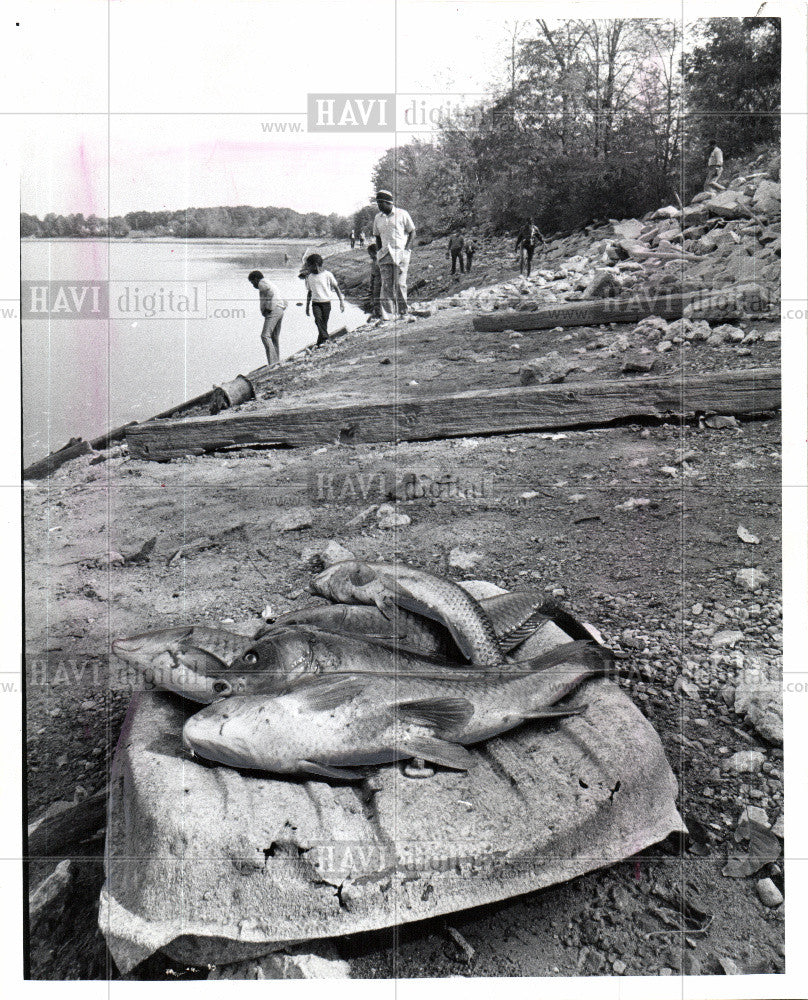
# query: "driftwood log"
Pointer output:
{"type": "Point", "coordinates": [476, 412]}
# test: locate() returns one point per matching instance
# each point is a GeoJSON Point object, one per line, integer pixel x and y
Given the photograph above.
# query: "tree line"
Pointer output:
{"type": "Point", "coordinates": [191, 223]}
{"type": "Point", "coordinates": [594, 119]}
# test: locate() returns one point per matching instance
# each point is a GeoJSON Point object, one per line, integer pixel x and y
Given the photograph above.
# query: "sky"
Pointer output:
{"type": "Point", "coordinates": [167, 123]}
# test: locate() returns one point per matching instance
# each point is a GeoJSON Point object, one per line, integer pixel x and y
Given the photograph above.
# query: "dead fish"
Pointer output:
{"type": "Point", "coordinates": [514, 616]}
{"type": "Point", "coordinates": [329, 725]}
{"type": "Point", "coordinates": [387, 585]}
{"type": "Point", "coordinates": [192, 660]}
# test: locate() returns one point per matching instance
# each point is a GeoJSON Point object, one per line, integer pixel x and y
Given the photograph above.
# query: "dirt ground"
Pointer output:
{"type": "Point", "coordinates": [658, 578]}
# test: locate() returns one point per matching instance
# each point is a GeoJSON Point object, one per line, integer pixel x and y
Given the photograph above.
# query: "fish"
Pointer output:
{"type": "Point", "coordinates": [515, 617]}
{"type": "Point", "coordinates": [330, 725]}
{"type": "Point", "coordinates": [389, 585]}
{"type": "Point", "coordinates": [189, 660]}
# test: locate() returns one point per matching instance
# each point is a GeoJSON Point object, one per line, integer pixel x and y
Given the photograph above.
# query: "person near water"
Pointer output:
{"type": "Point", "coordinates": [272, 309]}
{"type": "Point", "coordinates": [361, 238]}
{"type": "Point", "coordinates": [321, 286]}
{"type": "Point", "coordinates": [353, 239]}
{"type": "Point", "coordinates": [715, 163]}
{"type": "Point", "coordinates": [375, 281]}
{"type": "Point", "coordinates": [455, 251]}
{"type": "Point", "coordinates": [394, 232]}
{"type": "Point", "coordinates": [469, 248]}
{"type": "Point", "coordinates": [526, 243]}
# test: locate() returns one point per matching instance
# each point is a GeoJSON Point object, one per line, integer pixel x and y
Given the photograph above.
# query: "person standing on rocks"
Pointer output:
{"type": "Point", "coordinates": [272, 309]}
{"type": "Point", "coordinates": [469, 249]}
{"type": "Point", "coordinates": [526, 243]}
{"type": "Point", "coordinates": [455, 251]}
{"type": "Point", "coordinates": [394, 232]}
{"type": "Point", "coordinates": [715, 164]}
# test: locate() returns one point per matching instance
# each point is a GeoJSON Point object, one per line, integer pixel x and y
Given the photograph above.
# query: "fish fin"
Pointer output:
{"type": "Point", "coordinates": [386, 603]}
{"type": "Point", "coordinates": [325, 692]}
{"type": "Point", "coordinates": [440, 713]}
{"type": "Point", "coordinates": [567, 623]}
{"type": "Point", "coordinates": [516, 636]}
{"type": "Point", "coordinates": [580, 653]}
{"type": "Point", "coordinates": [209, 660]}
{"type": "Point", "coordinates": [327, 771]}
{"type": "Point", "coordinates": [439, 752]}
{"type": "Point", "coordinates": [554, 712]}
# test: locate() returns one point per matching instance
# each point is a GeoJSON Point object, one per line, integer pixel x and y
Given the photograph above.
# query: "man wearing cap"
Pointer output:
{"type": "Point", "coordinates": [394, 231]}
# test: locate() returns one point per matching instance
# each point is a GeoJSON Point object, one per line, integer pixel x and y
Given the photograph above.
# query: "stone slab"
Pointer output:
{"type": "Point", "coordinates": [216, 865]}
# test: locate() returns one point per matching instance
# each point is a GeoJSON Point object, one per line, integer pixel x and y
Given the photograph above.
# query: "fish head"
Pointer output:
{"type": "Point", "coordinates": [280, 655]}
{"type": "Point", "coordinates": [340, 581]}
{"type": "Point", "coordinates": [349, 582]}
{"type": "Point", "coordinates": [238, 732]}
{"type": "Point", "coordinates": [167, 660]}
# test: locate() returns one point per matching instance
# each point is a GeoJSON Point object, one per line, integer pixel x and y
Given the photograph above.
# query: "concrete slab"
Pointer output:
{"type": "Point", "coordinates": [214, 865]}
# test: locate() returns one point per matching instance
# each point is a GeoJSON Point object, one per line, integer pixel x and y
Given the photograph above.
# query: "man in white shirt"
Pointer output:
{"type": "Point", "coordinates": [715, 164]}
{"type": "Point", "coordinates": [394, 231]}
{"type": "Point", "coordinates": [272, 309]}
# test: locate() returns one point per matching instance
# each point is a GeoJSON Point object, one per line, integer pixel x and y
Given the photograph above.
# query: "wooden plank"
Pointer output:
{"type": "Point", "coordinates": [523, 408]}
{"type": "Point", "coordinates": [722, 305]}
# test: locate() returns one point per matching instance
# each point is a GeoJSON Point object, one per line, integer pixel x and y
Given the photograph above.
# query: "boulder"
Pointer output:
{"type": "Point", "coordinates": [225, 865]}
{"type": "Point", "coordinates": [629, 229]}
{"type": "Point", "coordinates": [759, 697]}
{"type": "Point", "coordinates": [766, 200]}
{"type": "Point", "coordinates": [728, 205]}
{"type": "Point", "coordinates": [605, 284]}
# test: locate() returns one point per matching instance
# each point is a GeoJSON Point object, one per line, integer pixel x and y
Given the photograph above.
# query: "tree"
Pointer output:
{"type": "Point", "coordinates": [732, 74]}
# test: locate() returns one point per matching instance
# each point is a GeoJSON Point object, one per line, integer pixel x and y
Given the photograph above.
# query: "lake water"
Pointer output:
{"type": "Point", "coordinates": [83, 377]}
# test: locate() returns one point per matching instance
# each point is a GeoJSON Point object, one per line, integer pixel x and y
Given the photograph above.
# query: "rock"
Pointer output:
{"type": "Point", "coordinates": [387, 516]}
{"type": "Point", "coordinates": [766, 200]}
{"type": "Point", "coordinates": [668, 212]}
{"type": "Point", "coordinates": [750, 578]}
{"type": "Point", "coordinates": [629, 229]}
{"type": "Point", "coordinates": [460, 559]}
{"type": "Point", "coordinates": [726, 637]}
{"type": "Point", "coordinates": [745, 762]}
{"type": "Point", "coordinates": [747, 536]}
{"type": "Point", "coordinates": [295, 519]}
{"type": "Point", "coordinates": [632, 503]}
{"type": "Point", "coordinates": [319, 557]}
{"type": "Point", "coordinates": [728, 205]}
{"type": "Point", "coordinates": [768, 893]}
{"type": "Point", "coordinates": [751, 814]}
{"type": "Point", "coordinates": [687, 687]}
{"type": "Point", "coordinates": [604, 285]}
{"type": "Point", "coordinates": [619, 967]}
{"type": "Point", "coordinates": [301, 964]}
{"type": "Point", "coordinates": [759, 698]}
{"type": "Point", "coordinates": [665, 345]}
{"type": "Point", "coordinates": [651, 326]}
{"type": "Point", "coordinates": [547, 370]}
{"type": "Point", "coordinates": [701, 198]}
{"type": "Point", "coordinates": [729, 333]}
{"type": "Point", "coordinates": [778, 829]}
{"type": "Point", "coordinates": [50, 889]}
{"type": "Point", "coordinates": [720, 422]}
{"type": "Point", "coordinates": [638, 364]}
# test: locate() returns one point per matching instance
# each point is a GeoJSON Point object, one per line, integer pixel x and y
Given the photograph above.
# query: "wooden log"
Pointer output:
{"type": "Point", "coordinates": [45, 466]}
{"type": "Point", "coordinates": [508, 410]}
{"type": "Point", "coordinates": [724, 304]}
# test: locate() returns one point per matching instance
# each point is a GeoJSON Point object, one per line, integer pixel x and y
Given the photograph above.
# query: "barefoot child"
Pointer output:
{"type": "Point", "coordinates": [321, 285]}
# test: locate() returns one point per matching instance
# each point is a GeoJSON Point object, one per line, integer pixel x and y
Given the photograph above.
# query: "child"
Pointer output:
{"type": "Point", "coordinates": [375, 281]}
{"type": "Point", "coordinates": [320, 285]}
